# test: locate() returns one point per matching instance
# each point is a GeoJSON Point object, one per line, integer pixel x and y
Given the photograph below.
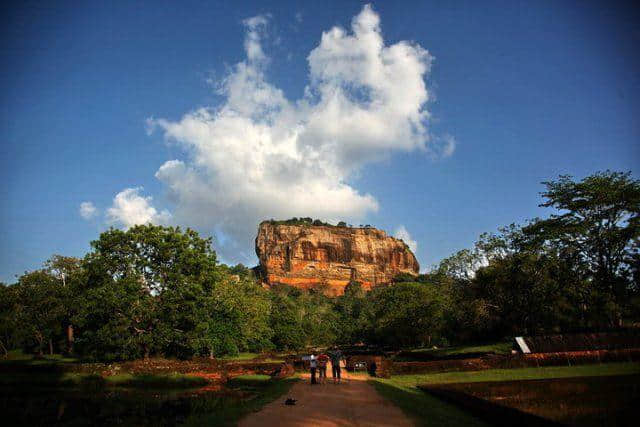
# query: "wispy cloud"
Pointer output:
{"type": "Point", "coordinates": [88, 210]}
{"type": "Point", "coordinates": [403, 234]}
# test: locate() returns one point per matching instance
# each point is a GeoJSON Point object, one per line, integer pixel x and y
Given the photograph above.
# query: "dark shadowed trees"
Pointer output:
{"type": "Point", "coordinates": [406, 314]}
{"type": "Point", "coordinates": [597, 228]}
{"type": "Point", "coordinates": [40, 310]}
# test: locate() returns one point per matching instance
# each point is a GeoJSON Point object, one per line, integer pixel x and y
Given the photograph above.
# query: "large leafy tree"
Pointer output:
{"type": "Point", "coordinates": [528, 293]}
{"type": "Point", "coordinates": [147, 291]}
{"type": "Point", "coordinates": [406, 314]}
{"type": "Point", "coordinates": [40, 310]}
{"type": "Point", "coordinates": [9, 337]}
{"type": "Point", "coordinates": [597, 227]}
{"type": "Point", "coordinates": [159, 290]}
{"type": "Point", "coordinates": [351, 308]}
{"type": "Point", "coordinates": [71, 276]}
{"type": "Point", "coordinates": [287, 319]}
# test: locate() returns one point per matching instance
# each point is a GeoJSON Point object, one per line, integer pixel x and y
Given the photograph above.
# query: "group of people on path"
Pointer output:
{"type": "Point", "coordinates": [318, 364]}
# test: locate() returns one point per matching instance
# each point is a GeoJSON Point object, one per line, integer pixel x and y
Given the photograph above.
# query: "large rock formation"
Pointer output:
{"type": "Point", "coordinates": [310, 256]}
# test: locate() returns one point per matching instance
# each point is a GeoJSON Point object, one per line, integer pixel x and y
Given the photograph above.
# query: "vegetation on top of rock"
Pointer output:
{"type": "Point", "coordinates": [310, 221]}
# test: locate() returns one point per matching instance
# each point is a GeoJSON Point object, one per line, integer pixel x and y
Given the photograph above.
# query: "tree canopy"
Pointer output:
{"type": "Point", "coordinates": [154, 290]}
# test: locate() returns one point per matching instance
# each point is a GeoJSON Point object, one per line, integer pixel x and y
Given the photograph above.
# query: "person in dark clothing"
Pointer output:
{"type": "Point", "coordinates": [336, 357]}
{"type": "Point", "coordinates": [373, 367]}
{"type": "Point", "coordinates": [313, 364]}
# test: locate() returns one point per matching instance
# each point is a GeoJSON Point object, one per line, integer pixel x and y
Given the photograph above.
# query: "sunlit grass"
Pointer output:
{"type": "Point", "coordinates": [241, 356]}
{"type": "Point", "coordinates": [249, 357]}
{"type": "Point", "coordinates": [503, 347]}
{"type": "Point", "coordinates": [18, 356]}
{"type": "Point", "coordinates": [422, 408]}
{"type": "Point", "coordinates": [428, 410]}
{"type": "Point", "coordinates": [517, 374]}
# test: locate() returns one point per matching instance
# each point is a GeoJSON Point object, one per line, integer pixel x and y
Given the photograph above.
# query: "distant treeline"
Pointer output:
{"type": "Point", "coordinates": [155, 290]}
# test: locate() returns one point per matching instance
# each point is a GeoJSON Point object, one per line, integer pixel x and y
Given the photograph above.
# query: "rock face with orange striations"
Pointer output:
{"type": "Point", "coordinates": [329, 257]}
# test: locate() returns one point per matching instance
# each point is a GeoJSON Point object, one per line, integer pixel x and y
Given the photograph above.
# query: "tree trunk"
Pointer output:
{"type": "Point", "coordinates": [50, 347]}
{"type": "Point", "coordinates": [210, 353]}
{"type": "Point", "coordinates": [70, 339]}
{"type": "Point", "coordinates": [39, 338]}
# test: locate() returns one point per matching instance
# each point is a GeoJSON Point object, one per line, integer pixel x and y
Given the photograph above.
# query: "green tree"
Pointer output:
{"type": "Point", "coordinates": [40, 310]}
{"type": "Point", "coordinates": [528, 293]}
{"type": "Point", "coordinates": [9, 337]}
{"type": "Point", "coordinates": [598, 227]}
{"type": "Point", "coordinates": [286, 319]}
{"type": "Point", "coordinates": [71, 275]}
{"type": "Point", "coordinates": [406, 314]}
{"type": "Point", "coordinates": [351, 309]}
{"type": "Point", "coordinates": [147, 292]}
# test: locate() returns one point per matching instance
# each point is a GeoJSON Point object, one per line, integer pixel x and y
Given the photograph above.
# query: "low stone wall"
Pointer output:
{"type": "Point", "coordinates": [382, 364]}
{"type": "Point", "coordinates": [517, 361]}
{"type": "Point", "coordinates": [214, 370]}
{"type": "Point", "coordinates": [582, 357]}
{"type": "Point", "coordinates": [257, 368]}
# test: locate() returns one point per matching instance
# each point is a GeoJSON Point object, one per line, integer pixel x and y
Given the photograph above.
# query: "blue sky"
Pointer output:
{"type": "Point", "coordinates": [216, 114]}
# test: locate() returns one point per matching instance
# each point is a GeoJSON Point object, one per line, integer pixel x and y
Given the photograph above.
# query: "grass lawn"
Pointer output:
{"type": "Point", "coordinates": [241, 357]}
{"type": "Point", "coordinates": [425, 409]}
{"type": "Point", "coordinates": [518, 374]}
{"type": "Point", "coordinates": [135, 400]}
{"type": "Point", "coordinates": [156, 381]}
{"type": "Point", "coordinates": [260, 390]}
{"type": "Point", "coordinates": [498, 348]}
{"type": "Point", "coordinates": [248, 357]}
{"type": "Point", "coordinates": [17, 356]}
{"type": "Point", "coordinates": [67, 379]}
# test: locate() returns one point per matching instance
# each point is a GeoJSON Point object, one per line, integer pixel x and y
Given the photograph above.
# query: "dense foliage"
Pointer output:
{"type": "Point", "coordinates": [155, 290]}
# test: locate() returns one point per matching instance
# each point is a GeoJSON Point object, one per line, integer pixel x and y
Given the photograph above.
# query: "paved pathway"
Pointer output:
{"type": "Point", "coordinates": [351, 403]}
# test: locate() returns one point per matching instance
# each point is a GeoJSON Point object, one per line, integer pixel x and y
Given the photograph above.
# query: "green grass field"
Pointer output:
{"type": "Point", "coordinates": [241, 357]}
{"type": "Point", "coordinates": [248, 357]}
{"type": "Point", "coordinates": [423, 408]}
{"type": "Point", "coordinates": [262, 390]}
{"type": "Point", "coordinates": [17, 356]}
{"type": "Point", "coordinates": [503, 347]}
{"type": "Point", "coordinates": [67, 379]}
{"type": "Point", "coordinates": [428, 410]}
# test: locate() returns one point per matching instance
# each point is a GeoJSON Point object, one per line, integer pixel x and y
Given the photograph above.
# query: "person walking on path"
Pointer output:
{"type": "Point", "coordinates": [336, 357]}
{"type": "Point", "coordinates": [323, 359]}
{"type": "Point", "coordinates": [313, 364]}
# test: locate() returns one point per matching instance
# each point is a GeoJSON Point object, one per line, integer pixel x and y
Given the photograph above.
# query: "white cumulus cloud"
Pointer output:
{"type": "Point", "coordinates": [260, 155]}
{"type": "Point", "coordinates": [130, 208]}
{"type": "Point", "coordinates": [87, 210]}
{"type": "Point", "coordinates": [403, 234]}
